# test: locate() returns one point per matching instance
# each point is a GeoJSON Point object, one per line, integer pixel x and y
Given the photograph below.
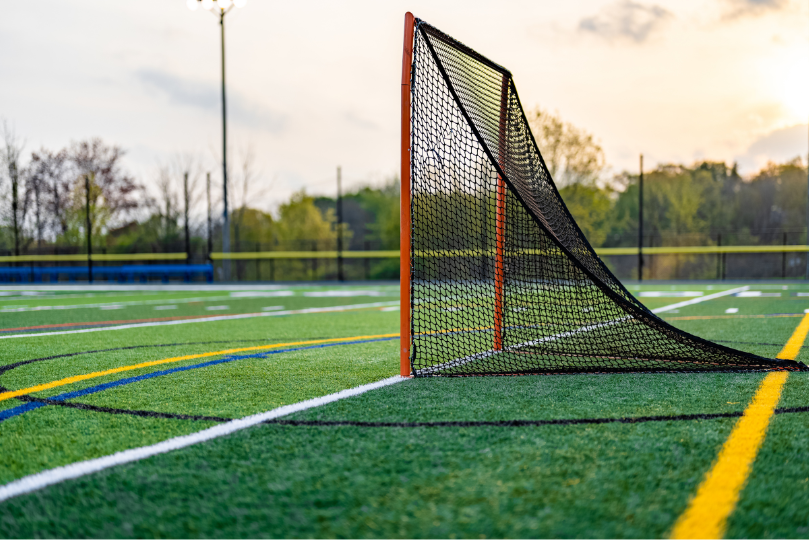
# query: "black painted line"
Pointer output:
{"type": "Point", "coordinates": [507, 423]}
{"type": "Point", "coordinates": [133, 412]}
{"type": "Point", "coordinates": [527, 423]}
{"type": "Point", "coordinates": [9, 367]}
{"type": "Point", "coordinates": [750, 343]}
{"type": "Point", "coordinates": [459, 423]}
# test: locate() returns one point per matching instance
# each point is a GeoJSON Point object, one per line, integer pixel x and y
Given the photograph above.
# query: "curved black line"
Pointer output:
{"type": "Point", "coordinates": [749, 343]}
{"type": "Point", "coordinates": [133, 412]}
{"type": "Point", "coordinates": [337, 423]}
{"type": "Point", "coordinates": [29, 398]}
{"type": "Point", "coordinates": [459, 423]}
{"type": "Point", "coordinates": [9, 367]}
{"type": "Point", "coordinates": [526, 423]}
{"type": "Point", "coordinates": [506, 423]}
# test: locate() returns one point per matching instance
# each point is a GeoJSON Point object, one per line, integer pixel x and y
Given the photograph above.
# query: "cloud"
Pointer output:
{"type": "Point", "coordinates": [626, 20]}
{"type": "Point", "coordinates": [207, 96]}
{"type": "Point", "coordinates": [358, 121]}
{"type": "Point", "coordinates": [738, 8]}
{"type": "Point", "coordinates": [778, 146]}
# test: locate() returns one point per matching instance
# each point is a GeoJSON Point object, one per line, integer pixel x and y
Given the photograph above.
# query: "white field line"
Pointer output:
{"type": "Point", "coordinates": [467, 359]}
{"type": "Point", "coordinates": [260, 294]}
{"type": "Point", "coordinates": [693, 301]}
{"type": "Point", "coordinates": [11, 309]}
{"type": "Point", "coordinates": [50, 477]}
{"type": "Point", "coordinates": [208, 319]}
{"type": "Point", "coordinates": [104, 287]}
{"type": "Point", "coordinates": [342, 293]}
{"type": "Point", "coordinates": [118, 287]}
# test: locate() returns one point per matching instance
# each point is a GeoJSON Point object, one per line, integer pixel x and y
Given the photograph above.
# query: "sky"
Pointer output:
{"type": "Point", "coordinates": [313, 85]}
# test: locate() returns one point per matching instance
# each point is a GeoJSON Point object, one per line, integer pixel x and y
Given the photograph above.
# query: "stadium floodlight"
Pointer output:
{"type": "Point", "coordinates": [223, 7]}
{"type": "Point", "coordinates": [496, 276]}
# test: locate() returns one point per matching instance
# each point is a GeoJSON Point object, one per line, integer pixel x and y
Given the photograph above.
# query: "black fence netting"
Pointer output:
{"type": "Point", "coordinates": [503, 281]}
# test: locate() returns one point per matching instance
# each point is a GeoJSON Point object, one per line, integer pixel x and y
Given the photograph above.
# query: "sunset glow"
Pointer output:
{"type": "Point", "coordinates": [314, 87]}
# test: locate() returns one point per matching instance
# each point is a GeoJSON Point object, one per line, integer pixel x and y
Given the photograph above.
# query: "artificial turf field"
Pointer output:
{"type": "Point", "coordinates": [335, 479]}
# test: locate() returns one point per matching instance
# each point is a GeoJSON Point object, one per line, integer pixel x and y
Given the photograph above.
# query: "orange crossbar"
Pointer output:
{"type": "Point", "coordinates": [500, 225]}
{"type": "Point", "coordinates": [405, 229]}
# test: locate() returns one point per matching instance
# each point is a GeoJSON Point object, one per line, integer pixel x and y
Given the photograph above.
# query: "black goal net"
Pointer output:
{"type": "Point", "coordinates": [502, 279]}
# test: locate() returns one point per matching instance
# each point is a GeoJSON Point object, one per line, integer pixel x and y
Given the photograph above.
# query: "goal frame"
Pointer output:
{"type": "Point", "coordinates": [405, 231]}
{"type": "Point", "coordinates": [405, 228]}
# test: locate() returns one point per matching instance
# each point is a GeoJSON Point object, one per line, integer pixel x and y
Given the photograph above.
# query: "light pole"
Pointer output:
{"type": "Point", "coordinates": [640, 221]}
{"type": "Point", "coordinates": [220, 8]}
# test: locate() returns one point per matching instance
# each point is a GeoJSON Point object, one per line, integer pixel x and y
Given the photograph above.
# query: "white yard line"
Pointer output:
{"type": "Point", "coordinates": [117, 287]}
{"type": "Point", "coordinates": [693, 301]}
{"type": "Point", "coordinates": [349, 292]}
{"type": "Point", "coordinates": [182, 287]}
{"type": "Point", "coordinates": [50, 477]}
{"type": "Point", "coordinates": [207, 319]}
{"type": "Point", "coordinates": [12, 309]}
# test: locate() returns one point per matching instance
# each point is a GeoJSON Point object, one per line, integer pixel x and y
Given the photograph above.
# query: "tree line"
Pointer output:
{"type": "Point", "coordinates": [43, 201]}
{"type": "Point", "coordinates": [704, 203]}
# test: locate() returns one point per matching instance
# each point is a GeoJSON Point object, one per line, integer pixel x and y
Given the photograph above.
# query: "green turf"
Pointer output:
{"type": "Point", "coordinates": [613, 480]}
{"type": "Point", "coordinates": [232, 390]}
{"type": "Point", "coordinates": [484, 482]}
{"type": "Point", "coordinates": [44, 311]}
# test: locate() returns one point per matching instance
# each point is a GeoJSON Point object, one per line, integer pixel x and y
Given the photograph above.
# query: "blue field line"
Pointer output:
{"type": "Point", "coordinates": [30, 406]}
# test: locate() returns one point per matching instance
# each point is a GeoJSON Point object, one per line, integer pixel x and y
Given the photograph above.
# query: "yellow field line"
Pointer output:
{"type": "Point", "coordinates": [77, 378]}
{"type": "Point", "coordinates": [709, 509]}
{"type": "Point", "coordinates": [793, 346]}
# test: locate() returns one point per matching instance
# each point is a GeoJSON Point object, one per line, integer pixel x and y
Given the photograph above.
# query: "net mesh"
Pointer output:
{"type": "Point", "coordinates": [502, 279]}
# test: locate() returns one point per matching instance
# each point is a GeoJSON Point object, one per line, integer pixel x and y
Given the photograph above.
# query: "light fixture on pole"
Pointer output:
{"type": "Point", "coordinates": [220, 8]}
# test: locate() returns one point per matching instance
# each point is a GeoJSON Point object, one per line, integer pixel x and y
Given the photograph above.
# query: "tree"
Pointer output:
{"type": "Point", "coordinates": [120, 192]}
{"type": "Point", "coordinates": [245, 180]}
{"type": "Point", "coordinates": [592, 208]}
{"type": "Point", "coordinates": [178, 193]}
{"type": "Point", "coordinates": [167, 207]}
{"type": "Point", "coordinates": [300, 220]}
{"type": "Point", "coordinates": [51, 179]}
{"type": "Point", "coordinates": [10, 157]}
{"type": "Point", "coordinates": [372, 214]}
{"type": "Point", "coordinates": [255, 227]}
{"type": "Point", "coordinates": [571, 154]}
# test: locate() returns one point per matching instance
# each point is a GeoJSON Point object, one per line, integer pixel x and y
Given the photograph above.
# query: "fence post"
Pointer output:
{"type": "Point", "coordinates": [89, 228]}
{"type": "Point", "coordinates": [718, 255]}
{"type": "Point", "coordinates": [367, 262]}
{"type": "Point", "coordinates": [640, 221]}
{"type": "Point", "coordinates": [314, 260]}
{"type": "Point", "coordinates": [340, 276]}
